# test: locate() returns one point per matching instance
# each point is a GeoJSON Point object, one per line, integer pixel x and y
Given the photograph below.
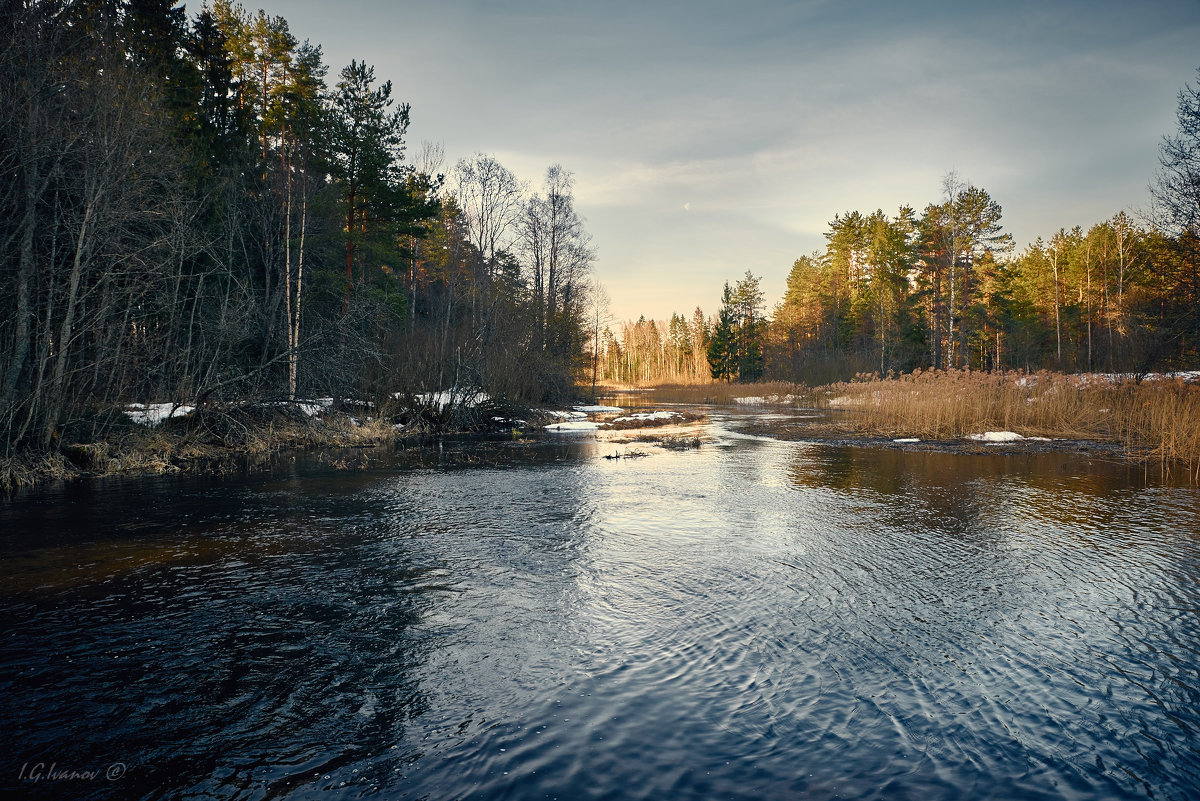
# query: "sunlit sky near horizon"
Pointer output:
{"type": "Point", "coordinates": [708, 139]}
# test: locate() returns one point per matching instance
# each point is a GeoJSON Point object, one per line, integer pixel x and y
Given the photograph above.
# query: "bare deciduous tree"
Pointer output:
{"type": "Point", "coordinates": [1176, 188]}
{"type": "Point", "coordinates": [490, 198]}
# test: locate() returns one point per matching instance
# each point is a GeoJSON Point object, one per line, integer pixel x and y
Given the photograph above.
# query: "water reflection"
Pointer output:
{"type": "Point", "coordinates": [1031, 594]}
{"type": "Point", "coordinates": [755, 619]}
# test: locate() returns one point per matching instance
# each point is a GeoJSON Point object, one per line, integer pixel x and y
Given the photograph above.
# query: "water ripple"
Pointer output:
{"type": "Point", "coordinates": [757, 620]}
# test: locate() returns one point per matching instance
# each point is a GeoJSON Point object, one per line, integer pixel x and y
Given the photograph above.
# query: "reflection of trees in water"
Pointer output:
{"type": "Point", "coordinates": [995, 535]}
{"type": "Point", "coordinates": [255, 636]}
{"type": "Point", "coordinates": [508, 542]}
{"type": "Point", "coordinates": [972, 492]}
{"type": "Point", "coordinates": [889, 470]}
{"type": "Point", "coordinates": [1005, 578]}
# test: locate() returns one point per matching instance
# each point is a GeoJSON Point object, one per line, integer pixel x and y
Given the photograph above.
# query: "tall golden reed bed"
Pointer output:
{"type": "Point", "coordinates": [1157, 418]}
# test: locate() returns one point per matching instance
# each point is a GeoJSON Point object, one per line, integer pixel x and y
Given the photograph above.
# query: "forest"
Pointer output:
{"type": "Point", "coordinates": [199, 210]}
{"type": "Point", "coordinates": [945, 288]}
{"type": "Point", "coordinates": [196, 209]}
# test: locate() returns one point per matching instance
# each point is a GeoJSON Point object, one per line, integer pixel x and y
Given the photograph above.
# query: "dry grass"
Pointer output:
{"type": "Point", "coordinates": [681, 442]}
{"type": "Point", "coordinates": [616, 423]}
{"type": "Point", "coordinates": [27, 470]}
{"type": "Point", "coordinates": [1154, 420]}
{"type": "Point", "coordinates": [215, 442]}
{"type": "Point", "coordinates": [722, 393]}
{"type": "Point", "coordinates": [672, 442]}
{"type": "Point", "coordinates": [217, 439]}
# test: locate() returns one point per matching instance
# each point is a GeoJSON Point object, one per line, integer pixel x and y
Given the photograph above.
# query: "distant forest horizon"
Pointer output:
{"type": "Point", "coordinates": [946, 288]}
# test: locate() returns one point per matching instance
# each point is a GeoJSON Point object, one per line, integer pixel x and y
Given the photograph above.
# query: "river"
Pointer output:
{"type": "Point", "coordinates": [754, 619]}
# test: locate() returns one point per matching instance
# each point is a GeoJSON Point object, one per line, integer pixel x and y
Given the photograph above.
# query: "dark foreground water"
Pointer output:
{"type": "Point", "coordinates": [753, 620]}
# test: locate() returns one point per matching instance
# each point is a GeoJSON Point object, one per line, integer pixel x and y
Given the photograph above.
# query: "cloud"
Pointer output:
{"type": "Point", "coordinates": [764, 119]}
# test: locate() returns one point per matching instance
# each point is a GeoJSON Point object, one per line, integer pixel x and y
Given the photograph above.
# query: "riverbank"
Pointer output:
{"type": "Point", "coordinates": [150, 440]}
{"type": "Point", "coordinates": [1154, 421]}
{"type": "Point", "coordinates": [211, 443]}
{"type": "Point", "coordinates": [1149, 419]}
{"type": "Point", "coordinates": [155, 439]}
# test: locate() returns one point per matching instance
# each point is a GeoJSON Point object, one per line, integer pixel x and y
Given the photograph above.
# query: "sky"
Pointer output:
{"type": "Point", "coordinates": [709, 139]}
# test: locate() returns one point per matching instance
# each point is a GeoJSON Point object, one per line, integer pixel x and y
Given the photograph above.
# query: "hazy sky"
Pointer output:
{"type": "Point", "coordinates": [708, 139]}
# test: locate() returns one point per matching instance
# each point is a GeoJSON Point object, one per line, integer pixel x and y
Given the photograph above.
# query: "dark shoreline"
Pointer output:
{"type": "Point", "coordinates": [827, 434]}
{"type": "Point", "coordinates": [343, 443]}
{"type": "Point", "coordinates": [177, 448]}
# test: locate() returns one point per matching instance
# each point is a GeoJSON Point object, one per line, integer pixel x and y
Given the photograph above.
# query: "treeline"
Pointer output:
{"type": "Point", "coordinates": [891, 294]}
{"type": "Point", "coordinates": [897, 293]}
{"type": "Point", "coordinates": [657, 352]}
{"type": "Point", "coordinates": [195, 209]}
{"type": "Point", "coordinates": [943, 288]}
{"type": "Point", "coordinates": [692, 350]}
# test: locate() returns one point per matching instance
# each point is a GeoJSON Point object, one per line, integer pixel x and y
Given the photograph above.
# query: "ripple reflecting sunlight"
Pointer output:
{"type": "Point", "coordinates": [755, 619]}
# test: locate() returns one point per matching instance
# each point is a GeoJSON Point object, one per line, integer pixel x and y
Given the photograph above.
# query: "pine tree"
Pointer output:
{"type": "Point", "coordinates": [365, 153]}
{"type": "Point", "coordinates": [748, 299]}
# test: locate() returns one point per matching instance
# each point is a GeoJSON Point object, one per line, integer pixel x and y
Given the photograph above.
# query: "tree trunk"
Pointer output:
{"type": "Point", "coordinates": [1057, 317]}
{"type": "Point", "coordinates": [21, 334]}
{"type": "Point", "coordinates": [287, 276]}
{"type": "Point", "coordinates": [64, 334]}
{"type": "Point", "coordinates": [294, 322]}
{"type": "Point", "coordinates": [1088, 267]}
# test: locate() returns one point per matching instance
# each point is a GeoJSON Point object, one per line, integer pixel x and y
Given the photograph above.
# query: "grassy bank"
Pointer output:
{"type": "Point", "coordinates": [1155, 420]}
{"type": "Point", "coordinates": [197, 446]}
{"type": "Point", "coordinates": [720, 392]}
{"type": "Point", "coordinates": [215, 440]}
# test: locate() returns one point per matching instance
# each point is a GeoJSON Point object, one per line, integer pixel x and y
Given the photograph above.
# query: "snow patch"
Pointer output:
{"type": "Point", "coordinates": [843, 401]}
{"type": "Point", "coordinates": [565, 415]}
{"type": "Point", "coordinates": [997, 436]}
{"type": "Point", "coordinates": [575, 425]}
{"type": "Point", "coordinates": [906, 439]}
{"type": "Point", "coordinates": [311, 408]}
{"type": "Point", "coordinates": [151, 414]}
{"type": "Point", "coordinates": [1090, 379]}
{"type": "Point", "coordinates": [597, 409]}
{"type": "Point", "coordinates": [1112, 378]}
{"type": "Point", "coordinates": [755, 400]}
{"type": "Point", "coordinates": [638, 416]}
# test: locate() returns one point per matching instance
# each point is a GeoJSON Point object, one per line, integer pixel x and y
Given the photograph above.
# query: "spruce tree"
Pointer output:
{"type": "Point", "coordinates": [722, 348]}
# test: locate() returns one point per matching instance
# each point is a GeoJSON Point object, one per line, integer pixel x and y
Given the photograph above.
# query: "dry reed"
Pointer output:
{"type": "Point", "coordinates": [1157, 420]}
{"type": "Point", "coordinates": [221, 442]}
{"type": "Point", "coordinates": [723, 393]}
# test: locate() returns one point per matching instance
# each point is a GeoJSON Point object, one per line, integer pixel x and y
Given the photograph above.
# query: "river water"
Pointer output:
{"type": "Point", "coordinates": [751, 620]}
